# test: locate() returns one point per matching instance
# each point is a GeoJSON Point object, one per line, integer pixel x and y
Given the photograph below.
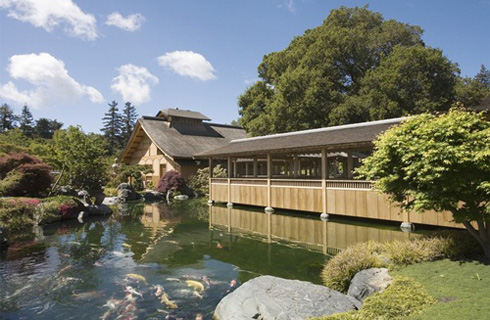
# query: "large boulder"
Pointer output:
{"type": "Point", "coordinates": [369, 281]}
{"type": "Point", "coordinates": [153, 196]}
{"type": "Point", "coordinates": [126, 192]}
{"type": "Point", "coordinates": [273, 298]}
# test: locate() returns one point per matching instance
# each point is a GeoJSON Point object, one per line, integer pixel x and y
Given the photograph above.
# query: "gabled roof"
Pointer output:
{"type": "Point", "coordinates": [359, 133]}
{"type": "Point", "coordinates": [181, 141]}
{"type": "Point", "coordinates": [183, 114]}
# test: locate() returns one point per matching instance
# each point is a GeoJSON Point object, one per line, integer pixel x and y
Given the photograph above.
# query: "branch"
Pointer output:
{"type": "Point", "coordinates": [472, 231]}
{"type": "Point", "coordinates": [57, 181]}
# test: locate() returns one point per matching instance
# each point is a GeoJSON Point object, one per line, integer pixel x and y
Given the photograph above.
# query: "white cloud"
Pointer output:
{"type": "Point", "coordinates": [52, 84]}
{"type": "Point", "coordinates": [134, 83]}
{"type": "Point", "coordinates": [288, 4]}
{"type": "Point", "coordinates": [130, 23]}
{"type": "Point", "coordinates": [48, 14]}
{"type": "Point", "coordinates": [189, 64]}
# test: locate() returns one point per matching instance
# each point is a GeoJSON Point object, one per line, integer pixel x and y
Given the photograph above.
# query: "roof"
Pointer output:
{"type": "Point", "coordinates": [359, 133]}
{"type": "Point", "coordinates": [182, 141]}
{"type": "Point", "coordinates": [484, 105]}
{"type": "Point", "coordinates": [183, 114]}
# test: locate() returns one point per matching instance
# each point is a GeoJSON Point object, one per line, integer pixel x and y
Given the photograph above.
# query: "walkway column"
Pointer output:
{"type": "Point", "coordinates": [350, 165]}
{"type": "Point", "coordinates": [234, 167]}
{"type": "Point", "coordinates": [255, 167]}
{"type": "Point", "coordinates": [324, 214]}
{"type": "Point", "coordinates": [269, 175]}
{"type": "Point", "coordinates": [229, 182]}
{"type": "Point", "coordinates": [210, 201]}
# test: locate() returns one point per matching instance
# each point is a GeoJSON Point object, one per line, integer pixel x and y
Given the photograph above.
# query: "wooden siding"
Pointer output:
{"type": "Point", "coordinates": [348, 198]}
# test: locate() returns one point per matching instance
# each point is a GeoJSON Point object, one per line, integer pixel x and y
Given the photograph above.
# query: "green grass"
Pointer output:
{"type": "Point", "coordinates": [462, 289]}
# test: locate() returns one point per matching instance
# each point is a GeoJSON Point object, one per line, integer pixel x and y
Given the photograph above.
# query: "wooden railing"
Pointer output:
{"type": "Point", "coordinates": [350, 184]}
{"type": "Point", "coordinates": [296, 183]}
{"type": "Point", "coordinates": [219, 180]}
{"type": "Point", "coordinates": [254, 182]}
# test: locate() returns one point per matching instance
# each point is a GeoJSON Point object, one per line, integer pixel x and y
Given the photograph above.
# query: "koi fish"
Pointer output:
{"type": "Point", "coordinates": [219, 246]}
{"type": "Point", "coordinates": [197, 294]}
{"type": "Point", "coordinates": [173, 279]}
{"type": "Point", "coordinates": [195, 284]}
{"type": "Point", "coordinates": [131, 290]}
{"type": "Point", "coordinates": [87, 295]}
{"type": "Point", "coordinates": [136, 277]}
{"type": "Point", "coordinates": [206, 280]}
{"type": "Point", "coordinates": [171, 304]}
{"type": "Point", "coordinates": [64, 269]}
{"type": "Point", "coordinates": [159, 291]}
{"type": "Point", "coordinates": [198, 316]}
{"type": "Point", "coordinates": [126, 245]}
{"type": "Point", "coordinates": [129, 298]}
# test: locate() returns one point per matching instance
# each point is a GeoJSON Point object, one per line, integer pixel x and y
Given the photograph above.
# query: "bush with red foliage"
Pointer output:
{"type": "Point", "coordinates": [170, 180]}
{"type": "Point", "coordinates": [23, 175]}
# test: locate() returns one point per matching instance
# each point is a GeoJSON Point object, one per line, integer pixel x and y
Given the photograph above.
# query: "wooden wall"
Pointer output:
{"type": "Point", "coordinates": [363, 203]}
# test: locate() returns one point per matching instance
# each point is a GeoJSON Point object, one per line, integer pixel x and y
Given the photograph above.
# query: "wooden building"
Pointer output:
{"type": "Point", "coordinates": [169, 140]}
{"type": "Point", "coordinates": [310, 170]}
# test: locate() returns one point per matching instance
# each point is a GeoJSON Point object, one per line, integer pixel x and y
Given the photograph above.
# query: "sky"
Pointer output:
{"type": "Point", "coordinates": [67, 59]}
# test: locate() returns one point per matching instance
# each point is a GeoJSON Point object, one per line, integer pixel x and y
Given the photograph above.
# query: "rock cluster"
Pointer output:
{"type": "Point", "coordinates": [272, 298]}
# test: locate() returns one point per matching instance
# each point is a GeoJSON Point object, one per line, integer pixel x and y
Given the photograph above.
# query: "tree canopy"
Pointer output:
{"type": "Point", "coordinates": [438, 162]}
{"type": "Point", "coordinates": [354, 67]}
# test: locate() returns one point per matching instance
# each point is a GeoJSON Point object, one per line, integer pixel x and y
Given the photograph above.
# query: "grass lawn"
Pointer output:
{"type": "Point", "coordinates": [461, 288]}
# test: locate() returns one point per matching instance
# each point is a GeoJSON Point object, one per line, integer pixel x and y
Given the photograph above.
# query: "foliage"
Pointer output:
{"type": "Point", "coordinates": [23, 175]}
{"type": "Point", "coordinates": [53, 208]}
{"type": "Point", "coordinates": [129, 117]}
{"type": "Point", "coordinates": [112, 127]}
{"type": "Point", "coordinates": [171, 180]}
{"type": "Point", "coordinates": [17, 213]}
{"type": "Point", "coordinates": [110, 192]}
{"type": "Point", "coordinates": [437, 162]}
{"type": "Point", "coordinates": [26, 122]}
{"type": "Point", "coordinates": [200, 181]}
{"type": "Point", "coordinates": [483, 77]}
{"type": "Point", "coordinates": [7, 118]}
{"type": "Point", "coordinates": [470, 92]}
{"type": "Point", "coordinates": [404, 297]}
{"type": "Point", "coordinates": [461, 287]}
{"type": "Point", "coordinates": [301, 85]}
{"type": "Point", "coordinates": [340, 270]}
{"type": "Point", "coordinates": [84, 158]}
{"type": "Point", "coordinates": [45, 128]}
{"type": "Point", "coordinates": [410, 80]}
{"type": "Point", "coordinates": [124, 171]}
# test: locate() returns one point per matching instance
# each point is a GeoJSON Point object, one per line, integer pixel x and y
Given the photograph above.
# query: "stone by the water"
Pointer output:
{"type": "Point", "coordinates": [272, 298]}
{"type": "Point", "coordinates": [98, 210]}
{"type": "Point", "coordinates": [126, 192]}
{"type": "Point", "coordinates": [369, 281]}
{"type": "Point", "coordinates": [109, 201]}
{"type": "Point", "coordinates": [181, 197]}
{"type": "Point", "coordinates": [153, 196]}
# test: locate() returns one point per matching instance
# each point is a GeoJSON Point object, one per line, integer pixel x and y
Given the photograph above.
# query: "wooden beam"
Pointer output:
{"type": "Point", "coordinates": [324, 180]}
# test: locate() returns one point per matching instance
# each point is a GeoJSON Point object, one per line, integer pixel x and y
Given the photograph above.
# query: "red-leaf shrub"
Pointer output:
{"type": "Point", "coordinates": [170, 180]}
{"type": "Point", "coordinates": [23, 175]}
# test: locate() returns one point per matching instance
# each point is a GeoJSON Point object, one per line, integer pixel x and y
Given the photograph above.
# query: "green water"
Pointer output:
{"type": "Point", "coordinates": [74, 270]}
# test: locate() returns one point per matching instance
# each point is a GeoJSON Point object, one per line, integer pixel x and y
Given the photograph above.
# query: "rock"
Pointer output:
{"type": "Point", "coordinates": [273, 298]}
{"type": "Point", "coordinates": [153, 196]}
{"type": "Point", "coordinates": [127, 192]}
{"type": "Point", "coordinates": [181, 197]}
{"type": "Point", "coordinates": [369, 281]}
{"type": "Point", "coordinates": [109, 201]}
{"type": "Point", "coordinates": [4, 239]}
{"type": "Point", "coordinates": [66, 191]}
{"type": "Point", "coordinates": [98, 210]}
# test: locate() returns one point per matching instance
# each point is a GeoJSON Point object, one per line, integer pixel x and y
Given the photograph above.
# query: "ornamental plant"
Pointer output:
{"type": "Point", "coordinates": [171, 180]}
{"type": "Point", "coordinates": [438, 162]}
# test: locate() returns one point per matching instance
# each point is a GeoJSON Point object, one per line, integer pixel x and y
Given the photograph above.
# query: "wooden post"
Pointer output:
{"type": "Point", "coordinates": [350, 165]}
{"type": "Point", "coordinates": [210, 180]}
{"type": "Point", "coordinates": [269, 175]}
{"type": "Point", "coordinates": [234, 168]}
{"type": "Point", "coordinates": [255, 167]}
{"type": "Point", "coordinates": [229, 181]}
{"type": "Point", "coordinates": [324, 183]}
{"type": "Point", "coordinates": [295, 167]}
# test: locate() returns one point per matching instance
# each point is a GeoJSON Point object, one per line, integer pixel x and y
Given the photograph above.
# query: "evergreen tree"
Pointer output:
{"type": "Point", "coordinates": [7, 118]}
{"type": "Point", "coordinates": [483, 76]}
{"type": "Point", "coordinates": [26, 122]}
{"type": "Point", "coordinates": [113, 127]}
{"type": "Point", "coordinates": [129, 118]}
{"type": "Point", "coordinates": [45, 128]}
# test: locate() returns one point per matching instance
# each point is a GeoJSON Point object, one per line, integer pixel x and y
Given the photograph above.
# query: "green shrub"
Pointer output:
{"type": "Point", "coordinates": [404, 297]}
{"type": "Point", "coordinates": [110, 192]}
{"type": "Point", "coordinates": [200, 181]}
{"type": "Point", "coordinates": [18, 213]}
{"type": "Point", "coordinates": [339, 270]}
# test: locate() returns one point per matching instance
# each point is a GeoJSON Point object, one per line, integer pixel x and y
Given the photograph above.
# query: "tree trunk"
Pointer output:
{"type": "Point", "coordinates": [482, 235]}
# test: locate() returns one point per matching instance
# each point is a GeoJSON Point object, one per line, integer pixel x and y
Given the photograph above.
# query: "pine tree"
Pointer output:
{"type": "Point", "coordinates": [113, 127]}
{"type": "Point", "coordinates": [26, 122]}
{"type": "Point", "coordinates": [7, 118]}
{"type": "Point", "coordinates": [129, 118]}
{"type": "Point", "coordinates": [45, 128]}
{"type": "Point", "coordinates": [483, 77]}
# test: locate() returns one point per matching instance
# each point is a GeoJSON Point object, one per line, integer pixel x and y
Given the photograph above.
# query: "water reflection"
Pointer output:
{"type": "Point", "coordinates": [328, 237]}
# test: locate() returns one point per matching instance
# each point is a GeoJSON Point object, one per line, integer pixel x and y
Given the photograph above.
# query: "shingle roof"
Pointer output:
{"type": "Point", "coordinates": [183, 141]}
{"type": "Point", "coordinates": [184, 114]}
{"type": "Point", "coordinates": [357, 133]}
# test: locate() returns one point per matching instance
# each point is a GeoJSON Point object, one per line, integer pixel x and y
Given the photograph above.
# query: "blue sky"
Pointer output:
{"type": "Point", "coordinates": [68, 58]}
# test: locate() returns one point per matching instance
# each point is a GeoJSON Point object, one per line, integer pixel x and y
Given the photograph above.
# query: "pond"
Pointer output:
{"type": "Point", "coordinates": [159, 261]}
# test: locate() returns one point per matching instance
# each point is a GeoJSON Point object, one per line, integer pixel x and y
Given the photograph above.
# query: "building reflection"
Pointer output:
{"type": "Point", "coordinates": [328, 237]}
